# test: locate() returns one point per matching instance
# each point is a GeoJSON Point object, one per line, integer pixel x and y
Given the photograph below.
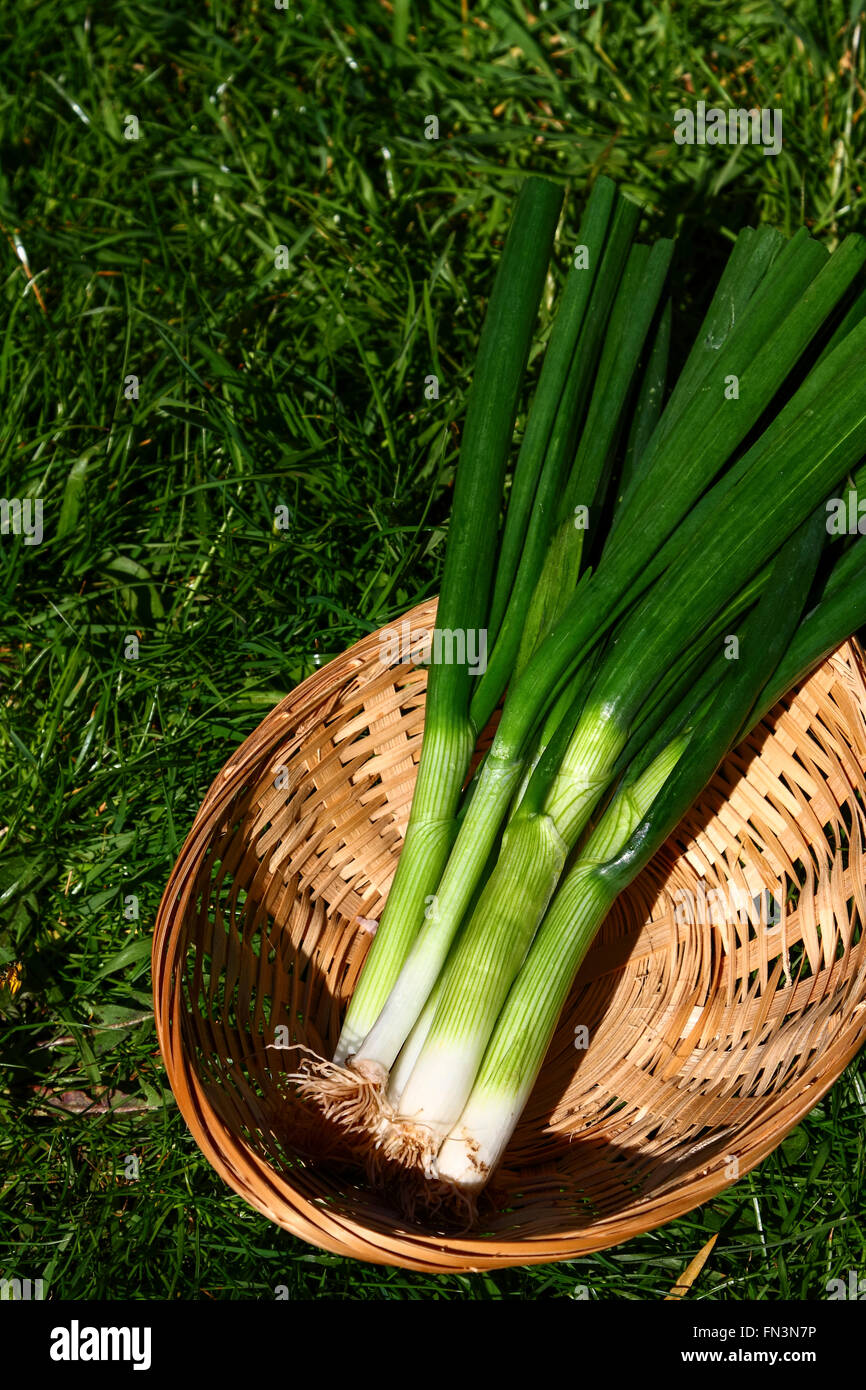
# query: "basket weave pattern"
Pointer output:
{"type": "Point", "coordinates": [710, 1032]}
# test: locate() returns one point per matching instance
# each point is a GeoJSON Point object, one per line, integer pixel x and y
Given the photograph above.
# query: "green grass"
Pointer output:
{"type": "Point", "coordinates": [304, 388]}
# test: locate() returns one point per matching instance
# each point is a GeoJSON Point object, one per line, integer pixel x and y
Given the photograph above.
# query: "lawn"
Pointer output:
{"type": "Point", "coordinates": [236, 242]}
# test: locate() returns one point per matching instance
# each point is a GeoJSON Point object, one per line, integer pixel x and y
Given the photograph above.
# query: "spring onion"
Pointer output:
{"type": "Point", "coordinates": [708, 523]}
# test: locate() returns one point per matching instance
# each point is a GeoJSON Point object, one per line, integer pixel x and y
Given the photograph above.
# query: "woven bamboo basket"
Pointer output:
{"type": "Point", "coordinates": [711, 1032]}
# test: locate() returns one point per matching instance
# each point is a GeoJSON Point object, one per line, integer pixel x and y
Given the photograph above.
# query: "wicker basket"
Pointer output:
{"type": "Point", "coordinates": [711, 1033]}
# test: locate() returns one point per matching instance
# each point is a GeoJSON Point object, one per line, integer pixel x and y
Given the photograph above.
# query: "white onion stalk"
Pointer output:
{"type": "Point", "coordinates": [470, 567]}
{"type": "Point", "coordinates": [532, 858]}
{"type": "Point", "coordinates": [487, 957]}
{"type": "Point", "coordinates": [411, 1049]}
{"type": "Point", "coordinates": [446, 752]}
{"type": "Point", "coordinates": [528, 1020]}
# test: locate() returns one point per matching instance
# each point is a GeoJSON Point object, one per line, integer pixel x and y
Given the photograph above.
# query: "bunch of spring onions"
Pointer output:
{"type": "Point", "coordinates": [646, 524]}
